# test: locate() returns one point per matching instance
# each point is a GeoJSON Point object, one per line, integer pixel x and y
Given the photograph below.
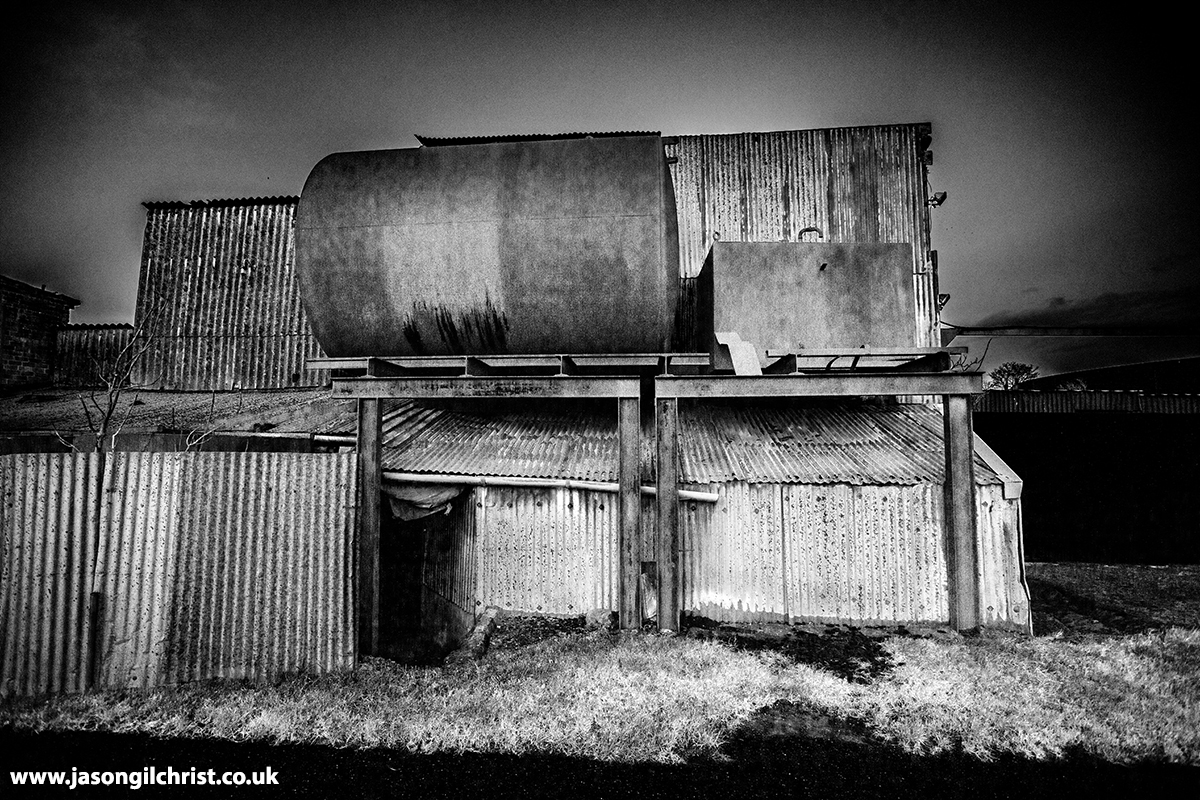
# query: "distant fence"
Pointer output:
{"type": "Point", "coordinates": [149, 569]}
{"type": "Point", "coordinates": [84, 351]}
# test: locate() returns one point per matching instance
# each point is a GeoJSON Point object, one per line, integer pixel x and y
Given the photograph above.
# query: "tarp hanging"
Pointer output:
{"type": "Point", "coordinates": [411, 501]}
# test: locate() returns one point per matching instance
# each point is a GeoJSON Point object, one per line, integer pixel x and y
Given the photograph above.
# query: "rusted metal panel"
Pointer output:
{"type": "Point", "coordinates": [1004, 592]}
{"type": "Point", "coordinates": [864, 184]}
{"type": "Point", "coordinates": [265, 576]}
{"type": "Point", "coordinates": [135, 571]}
{"type": "Point", "coordinates": [219, 297]}
{"type": "Point", "coordinates": [732, 555]}
{"type": "Point", "coordinates": [551, 551]}
{"type": "Point", "coordinates": [47, 532]}
{"type": "Point", "coordinates": [861, 445]}
{"type": "Point", "coordinates": [85, 350]}
{"type": "Point", "coordinates": [865, 554]}
{"type": "Point", "coordinates": [449, 566]}
{"type": "Point", "coordinates": [225, 565]}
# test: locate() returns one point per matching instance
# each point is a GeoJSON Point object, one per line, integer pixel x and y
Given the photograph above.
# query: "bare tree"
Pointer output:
{"type": "Point", "coordinates": [1010, 375]}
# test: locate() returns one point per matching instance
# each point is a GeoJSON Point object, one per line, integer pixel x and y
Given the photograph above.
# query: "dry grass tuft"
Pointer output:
{"type": "Point", "coordinates": [649, 698]}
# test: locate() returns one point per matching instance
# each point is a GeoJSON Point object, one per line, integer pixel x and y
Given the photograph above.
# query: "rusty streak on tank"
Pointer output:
{"type": "Point", "coordinates": [555, 246]}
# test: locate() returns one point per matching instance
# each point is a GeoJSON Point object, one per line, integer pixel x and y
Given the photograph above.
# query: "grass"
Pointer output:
{"type": "Point", "coordinates": [649, 698]}
{"type": "Point", "coordinates": [1124, 697]}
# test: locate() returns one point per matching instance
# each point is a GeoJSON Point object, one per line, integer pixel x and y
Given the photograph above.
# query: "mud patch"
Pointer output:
{"type": "Point", "coordinates": [847, 652]}
{"type": "Point", "coordinates": [523, 630]}
{"type": "Point", "coordinates": [784, 719]}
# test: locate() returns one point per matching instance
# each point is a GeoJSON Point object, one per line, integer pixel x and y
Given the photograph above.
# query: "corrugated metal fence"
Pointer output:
{"type": "Point", "coordinates": [199, 565]}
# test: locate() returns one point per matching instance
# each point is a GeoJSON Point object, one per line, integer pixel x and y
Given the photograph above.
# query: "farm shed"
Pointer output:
{"type": "Point", "coordinates": [30, 321]}
{"type": "Point", "coordinates": [822, 513]}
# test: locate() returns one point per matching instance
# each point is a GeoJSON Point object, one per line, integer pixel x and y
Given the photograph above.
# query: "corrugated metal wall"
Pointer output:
{"type": "Point", "coordinates": [551, 551]}
{"type": "Point", "coordinates": [218, 292]}
{"type": "Point", "coordinates": [48, 512]}
{"type": "Point", "coordinates": [1002, 588]}
{"type": "Point", "coordinates": [864, 184]}
{"type": "Point", "coordinates": [81, 348]}
{"type": "Point", "coordinates": [232, 565]}
{"type": "Point", "coordinates": [863, 555]}
{"type": "Point", "coordinates": [448, 600]}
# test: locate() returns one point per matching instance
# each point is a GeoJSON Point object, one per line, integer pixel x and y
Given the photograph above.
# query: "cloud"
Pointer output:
{"type": "Point", "coordinates": [1166, 306]}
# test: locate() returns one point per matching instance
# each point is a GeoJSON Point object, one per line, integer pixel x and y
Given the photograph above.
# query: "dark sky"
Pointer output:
{"type": "Point", "coordinates": [1062, 136]}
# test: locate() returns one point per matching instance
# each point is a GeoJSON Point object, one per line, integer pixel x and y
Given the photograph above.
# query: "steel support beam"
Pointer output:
{"type": "Point", "coordinates": [370, 481]}
{"type": "Point", "coordinates": [489, 386]}
{"type": "Point", "coordinates": [962, 537]}
{"type": "Point", "coordinates": [821, 385]}
{"type": "Point", "coordinates": [667, 502]}
{"type": "Point", "coordinates": [630, 505]}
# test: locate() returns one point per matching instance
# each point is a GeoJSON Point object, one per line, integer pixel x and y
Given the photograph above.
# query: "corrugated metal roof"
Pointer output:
{"type": "Point", "coordinates": [224, 202]}
{"type": "Point", "coordinates": [439, 141]}
{"type": "Point", "coordinates": [855, 445]}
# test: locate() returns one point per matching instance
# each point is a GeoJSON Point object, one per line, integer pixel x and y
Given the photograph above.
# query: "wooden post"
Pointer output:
{"type": "Point", "coordinates": [370, 478]}
{"type": "Point", "coordinates": [667, 419]}
{"type": "Point", "coordinates": [630, 504]}
{"type": "Point", "coordinates": [962, 537]}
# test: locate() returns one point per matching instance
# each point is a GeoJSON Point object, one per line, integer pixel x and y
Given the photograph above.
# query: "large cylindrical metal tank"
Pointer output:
{"type": "Point", "coordinates": [551, 246]}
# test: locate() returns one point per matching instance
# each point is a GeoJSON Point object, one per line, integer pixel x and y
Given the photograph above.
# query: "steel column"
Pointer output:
{"type": "Point", "coordinates": [629, 432]}
{"type": "Point", "coordinates": [962, 538]}
{"type": "Point", "coordinates": [666, 430]}
{"type": "Point", "coordinates": [370, 480]}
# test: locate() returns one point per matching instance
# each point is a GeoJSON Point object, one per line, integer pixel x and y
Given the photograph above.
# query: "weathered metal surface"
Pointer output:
{"type": "Point", "coordinates": [449, 604]}
{"type": "Point", "coordinates": [135, 572]}
{"type": "Point", "coordinates": [507, 247]}
{"type": "Point", "coordinates": [225, 565]}
{"type": "Point", "coordinates": [553, 551]}
{"type": "Point", "coordinates": [1004, 594]}
{"type": "Point", "coordinates": [219, 297]}
{"type": "Point", "coordinates": [847, 384]}
{"type": "Point", "coordinates": [47, 532]}
{"type": "Point", "coordinates": [1114, 400]}
{"type": "Point", "coordinates": [569, 387]}
{"type": "Point", "coordinates": [863, 445]}
{"type": "Point", "coordinates": [790, 295]}
{"type": "Point", "coordinates": [864, 184]}
{"type": "Point", "coordinates": [265, 574]}
{"type": "Point", "coordinates": [87, 351]}
{"type": "Point", "coordinates": [865, 554]}
{"type": "Point", "coordinates": [568, 443]}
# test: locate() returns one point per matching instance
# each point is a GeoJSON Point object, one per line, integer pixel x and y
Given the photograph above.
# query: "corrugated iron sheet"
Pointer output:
{"type": "Point", "coordinates": [551, 551]}
{"type": "Point", "coordinates": [218, 294]}
{"type": "Point", "coordinates": [859, 445]}
{"type": "Point", "coordinates": [266, 576]}
{"type": "Point", "coordinates": [864, 184]}
{"type": "Point", "coordinates": [542, 443]}
{"type": "Point", "coordinates": [1003, 590]}
{"type": "Point", "coordinates": [229, 565]}
{"type": "Point", "coordinates": [48, 507]}
{"type": "Point", "coordinates": [81, 348]}
{"type": "Point", "coordinates": [1112, 400]}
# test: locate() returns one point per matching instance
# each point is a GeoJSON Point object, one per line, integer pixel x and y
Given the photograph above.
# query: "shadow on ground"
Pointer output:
{"type": "Point", "coordinates": [760, 764]}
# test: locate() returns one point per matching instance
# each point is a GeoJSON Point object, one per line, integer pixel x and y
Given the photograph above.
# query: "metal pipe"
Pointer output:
{"type": "Point", "coordinates": [536, 483]}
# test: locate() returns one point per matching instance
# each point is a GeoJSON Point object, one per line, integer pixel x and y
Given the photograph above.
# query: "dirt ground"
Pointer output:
{"type": "Point", "coordinates": [1082, 599]}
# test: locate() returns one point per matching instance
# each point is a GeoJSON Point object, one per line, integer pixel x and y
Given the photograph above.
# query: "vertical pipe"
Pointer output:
{"type": "Point", "coordinates": [629, 432]}
{"type": "Point", "coordinates": [370, 436]}
{"type": "Point", "coordinates": [962, 537]}
{"type": "Point", "coordinates": [668, 514]}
